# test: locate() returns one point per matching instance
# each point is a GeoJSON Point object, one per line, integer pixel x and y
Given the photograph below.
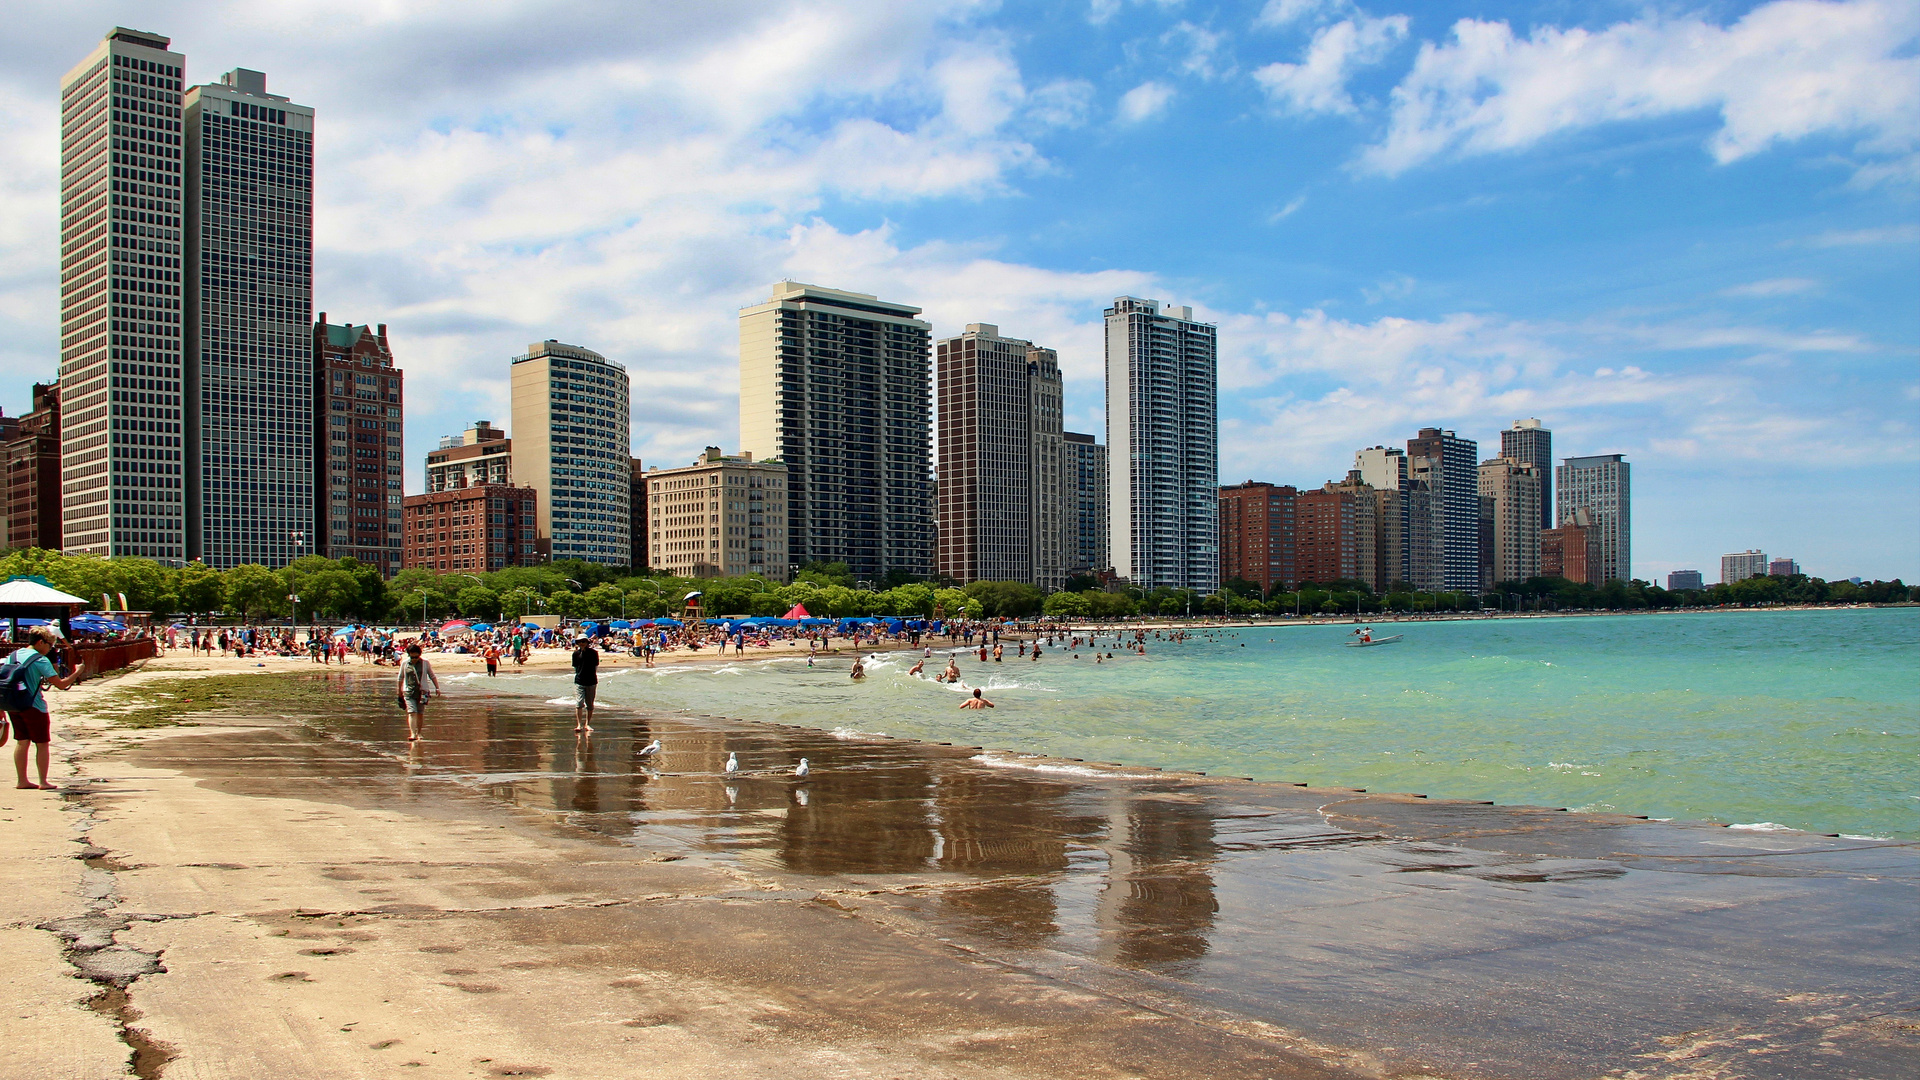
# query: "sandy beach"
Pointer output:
{"type": "Point", "coordinates": [279, 886]}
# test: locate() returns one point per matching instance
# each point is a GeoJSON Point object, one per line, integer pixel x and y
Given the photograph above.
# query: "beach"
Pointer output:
{"type": "Point", "coordinates": [283, 887]}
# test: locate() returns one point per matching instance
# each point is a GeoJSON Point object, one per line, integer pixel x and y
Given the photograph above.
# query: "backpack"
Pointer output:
{"type": "Point", "coordinates": [17, 688]}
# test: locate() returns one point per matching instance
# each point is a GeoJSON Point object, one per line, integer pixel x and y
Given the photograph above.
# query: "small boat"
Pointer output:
{"type": "Point", "coordinates": [1356, 643]}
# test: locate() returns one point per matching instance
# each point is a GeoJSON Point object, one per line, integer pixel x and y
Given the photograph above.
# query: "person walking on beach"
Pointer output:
{"type": "Point", "coordinates": [586, 682]}
{"type": "Point", "coordinates": [27, 706]}
{"type": "Point", "coordinates": [493, 659]}
{"type": "Point", "coordinates": [976, 701]}
{"type": "Point", "coordinates": [415, 674]}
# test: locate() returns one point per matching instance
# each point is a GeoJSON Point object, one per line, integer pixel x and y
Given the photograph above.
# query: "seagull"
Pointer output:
{"type": "Point", "coordinates": [801, 769]}
{"type": "Point", "coordinates": [650, 749]}
{"type": "Point", "coordinates": [733, 763]}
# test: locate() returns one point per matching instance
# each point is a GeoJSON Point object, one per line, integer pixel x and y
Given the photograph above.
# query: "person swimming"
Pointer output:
{"type": "Point", "coordinates": [976, 701]}
{"type": "Point", "coordinates": [859, 671]}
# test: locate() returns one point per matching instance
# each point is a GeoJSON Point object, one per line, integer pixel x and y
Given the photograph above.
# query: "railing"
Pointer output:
{"type": "Point", "coordinates": [102, 656]}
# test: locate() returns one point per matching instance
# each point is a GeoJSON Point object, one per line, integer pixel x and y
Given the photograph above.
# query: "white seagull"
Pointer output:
{"type": "Point", "coordinates": [733, 763]}
{"type": "Point", "coordinates": [650, 749]}
{"type": "Point", "coordinates": [801, 769]}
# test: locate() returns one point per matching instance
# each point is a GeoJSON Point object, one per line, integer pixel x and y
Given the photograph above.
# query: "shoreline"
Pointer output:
{"type": "Point", "coordinates": [546, 911]}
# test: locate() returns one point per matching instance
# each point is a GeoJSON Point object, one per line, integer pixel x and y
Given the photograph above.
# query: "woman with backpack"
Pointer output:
{"type": "Point", "coordinates": [21, 678]}
{"type": "Point", "coordinates": [415, 674]}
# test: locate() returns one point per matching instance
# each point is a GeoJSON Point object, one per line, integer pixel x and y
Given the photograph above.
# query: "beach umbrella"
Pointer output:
{"type": "Point", "coordinates": [668, 622]}
{"type": "Point", "coordinates": [482, 627]}
{"type": "Point", "coordinates": [346, 631]}
{"type": "Point", "coordinates": [798, 611]}
{"type": "Point", "coordinates": [621, 624]}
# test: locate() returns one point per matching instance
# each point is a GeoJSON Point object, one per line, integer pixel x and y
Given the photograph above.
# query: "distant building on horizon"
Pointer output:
{"type": "Point", "coordinates": [1529, 441]}
{"type": "Point", "coordinates": [722, 516]}
{"type": "Point", "coordinates": [1783, 567]}
{"type": "Point", "coordinates": [1685, 581]}
{"type": "Point", "coordinates": [1003, 506]}
{"type": "Point", "coordinates": [359, 432]}
{"type": "Point", "coordinates": [1163, 440]}
{"type": "Point", "coordinates": [572, 423]}
{"type": "Point", "coordinates": [834, 385]}
{"type": "Point", "coordinates": [1567, 550]}
{"type": "Point", "coordinates": [1407, 534]}
{"type": "Point", "coordinates": [1083, 473]}
{"type": "Point", "coordinates": [1336, 534]}
{"type": "Point", "coordinates": [1601, 484]}
{"type": "Point", "coordinates": [482, 454]}
{"type": "Point", "coordinates": [1258, 542]}
{"type": "Point", "coordinates": [477, 528]}
{"type": "Point", "coordinates": [637, 531]}
{"type": "Point", "coordinates": [1741, 565]}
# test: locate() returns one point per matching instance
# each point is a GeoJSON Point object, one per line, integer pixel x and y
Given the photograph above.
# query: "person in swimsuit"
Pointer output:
{"type": "Point", "coordinates": [976, 701]}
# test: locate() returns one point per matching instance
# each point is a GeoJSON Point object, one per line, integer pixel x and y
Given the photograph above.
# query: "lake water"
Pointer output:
{"type": "Point", "coordinates": [1807, 720]}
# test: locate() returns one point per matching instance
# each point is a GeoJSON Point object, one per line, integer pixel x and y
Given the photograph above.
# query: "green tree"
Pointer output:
{"type": "Point", "coordinates": [254, 591]}
{"type": "Point", "coordinates": [333, 591]}
{"type": "Point", "coordinates": [604, 600]}
{"type": "Point", "coordinates": [826, 573]}
{"type": "Point", "coordinates": [566, 603]}
{"type": "Point", "coordinates": [478, 602]}
{"type": "Point", "coordinates": [1067, 605]}
{"type": "Point", "coordinates": [200, 589]}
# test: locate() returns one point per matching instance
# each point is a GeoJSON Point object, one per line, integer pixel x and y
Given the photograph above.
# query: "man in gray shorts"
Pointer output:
{"type": "Point", "coordinates": [586, 680]}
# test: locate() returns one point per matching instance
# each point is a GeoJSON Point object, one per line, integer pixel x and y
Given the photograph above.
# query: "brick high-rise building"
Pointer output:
{"type": "Point", "coordinates": [834, 384]}
{"type": "Point", "coordinates": [358, 435]}
{"type": "Point", "coordinates": [1783, 567]}
{"type": "Point", "coordinates": [1002, 504]}
{"type": "Point", "coordinates": [476, 529]}
{"type": "Point", "coordinates": [124, 288]}
{"type": "Point", "coordinates": [1257, 534]}
{"type": "Point", "coordinates": [1602, 485]}
{"type": "Point", "coordinates": [1450, 467]}
{"type": "Point", "coordinates": [1568, 550]}
{"type": "Point", "coordinates": [33, 473]}
{"type": "Point", "coordinates": [1336, 534]}
{"type": "Point", "coordinates": [482, 454]}
{"type": "Point", "coordinates": [1163, 439]}
{"type": "Point", "coordinates": [1530, 441]}
{"type": "Point", "coordinates": [1083, 471]}
{"type": "Point", "coordinates": [1514, 486]}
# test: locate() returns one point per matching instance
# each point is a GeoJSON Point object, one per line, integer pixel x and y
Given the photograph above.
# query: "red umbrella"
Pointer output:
{"type": "Point", "coordinates": [799, 612]}
{"type": "Point", "coordinates": [454, 626]}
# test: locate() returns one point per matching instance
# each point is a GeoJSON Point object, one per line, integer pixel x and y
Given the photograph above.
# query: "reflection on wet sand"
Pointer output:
{"type": "Point", "coordinates": [1365, 920]}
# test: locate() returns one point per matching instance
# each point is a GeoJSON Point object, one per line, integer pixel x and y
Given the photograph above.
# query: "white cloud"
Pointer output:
{"type": "Point", "coordinates": [1784, 71]}
{"type": "Point", "coordinates": [1145, 101]}
{"type": "Point", "coordinates": [1772, 287]}
{"type": "Point", "coordinates": [1891, 234]}
{"type": "Point", "coordinates": [1318, 84]}
{"type": "Point", "coordinates": [1278, 13]}
{"type": "Point", "coordinates": [1203, 50]}
{"type": "Point", "coordinates": [1061, 103]}
{"type": "Point", "coordinates": [1288, 210]}
{"type": "Point", "coordinates": [1100, 11]}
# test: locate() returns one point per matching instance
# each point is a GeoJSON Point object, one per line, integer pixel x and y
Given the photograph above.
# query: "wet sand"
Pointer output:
{"type": "Point", "coordinates": [504, 899]}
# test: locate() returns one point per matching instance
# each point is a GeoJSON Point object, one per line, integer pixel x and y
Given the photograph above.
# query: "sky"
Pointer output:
{"type": "Point", "coordinates": [1689, 234]}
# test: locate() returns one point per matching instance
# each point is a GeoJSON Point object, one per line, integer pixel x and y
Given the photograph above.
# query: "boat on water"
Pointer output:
{"type": "Point", "coordinates": [1364, 638]}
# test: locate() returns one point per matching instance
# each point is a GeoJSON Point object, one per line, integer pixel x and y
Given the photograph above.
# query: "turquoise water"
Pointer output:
{"type": "Point", "coordinates": [1807, 719]}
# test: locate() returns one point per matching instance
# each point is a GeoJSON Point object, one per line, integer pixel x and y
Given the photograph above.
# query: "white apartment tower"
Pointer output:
{"type": "Point", "coordinates": [572, 445]}
{"type": "Point", "coordinates": [1163, 439]}
{"type": "Point", "coordinates": [123, 287]}
{"type": "Point", "coordinates": [1003, 511]}
{"type": "Point", "coordinates": [718, 517]}
{"type": "Point", "coordinates": [1602, 485]}
{"type": "Point", "coordinates": [249, 372]}
{"type": "Point", "coordinates": [834, 385]}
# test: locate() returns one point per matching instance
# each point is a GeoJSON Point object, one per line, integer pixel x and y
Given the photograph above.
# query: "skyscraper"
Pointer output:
{"type": "Point", "coordinates": [1451, 467]}
{"type": "Point", "coordinates": [122, 301]}
{"type": "Point", "coordinates": [1336, 533]}
{"type": "Point", "coordinates": [722, 516]}
{"type": "Point", "coordinates": [249, 371]}
{"type": "Point", "coordinates": [1741, 565]}
{"type": "Point", "coordinates": [1083, 471]}
{"type": "Point", "coordinates": [1163, 437]}
{"type": "Point", "coordinates": [1603, 486]}
{"type": "Point", "coordinates": [1002, 506]}
{"type": "Point", "coordinates": [33, 473]}
{"type": "Point", "coordinates": [572, 446]}
{"type": "Point", "coordinates": [834, 384]}
{"type": "Point", "coordinates": [1514, 487]}
{"type": "Point", "coordinates": [1528, 441]}
{"type": "Point", "coordinates": [360, 428]}
{"type": "Point", "coordinates": [1258, 542]}
{"type": "Point", "coordinates": [1405, 539]}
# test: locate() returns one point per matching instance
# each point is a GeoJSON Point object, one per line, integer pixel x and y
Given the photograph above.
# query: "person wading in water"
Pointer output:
{"type": "Point", "coordinates": [415, 674]}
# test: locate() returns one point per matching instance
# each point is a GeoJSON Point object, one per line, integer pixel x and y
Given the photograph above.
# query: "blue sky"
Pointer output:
{"type": "Point", "coordinates": [1688, 234]}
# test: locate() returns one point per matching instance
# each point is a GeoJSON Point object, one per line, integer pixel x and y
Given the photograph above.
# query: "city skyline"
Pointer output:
{"type": "Point", "coordinates": [973, 171]}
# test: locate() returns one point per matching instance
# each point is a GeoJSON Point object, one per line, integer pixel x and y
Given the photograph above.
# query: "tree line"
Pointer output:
{"type": "Point", "coordinates": [343, 590]}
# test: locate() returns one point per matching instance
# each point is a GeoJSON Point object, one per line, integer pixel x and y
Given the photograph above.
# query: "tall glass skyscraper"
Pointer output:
{"type": "Point", "coordinates": [249, 376]}
{"type": "Point", "coordinates": [572, 445]}
{"type": "Point", "coordinates": [122, 299]}
{"type": "Point", "coordinates": [1450, 465]}
{"type": "Point", "coordinates": [1602, 486]}
{"type": "Point", "coordinates": [1163, 439]}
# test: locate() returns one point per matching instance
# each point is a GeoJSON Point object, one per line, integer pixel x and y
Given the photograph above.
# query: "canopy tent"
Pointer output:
{"type": "Point", "coordinates": [33, 597]}
{"type": "Point", "coordinates": [797, 611]}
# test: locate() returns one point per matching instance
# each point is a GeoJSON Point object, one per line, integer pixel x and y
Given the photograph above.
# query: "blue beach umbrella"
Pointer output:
{"type": "Point", "coordinates": [621, 624]}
